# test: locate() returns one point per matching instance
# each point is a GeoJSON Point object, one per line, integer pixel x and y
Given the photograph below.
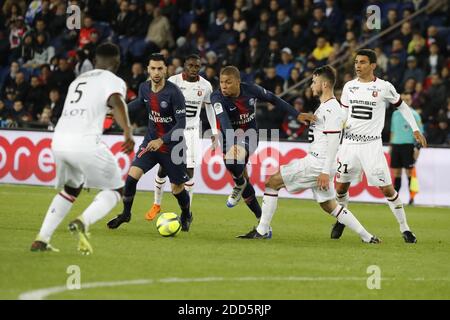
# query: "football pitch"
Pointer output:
{"type": "Point", "coordinates": [299, 262]}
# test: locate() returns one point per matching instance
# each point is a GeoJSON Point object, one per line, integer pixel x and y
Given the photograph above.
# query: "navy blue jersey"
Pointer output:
{"type": "Point", "coordinates": [166, 113]}
{"type": "Point", "coordinates": [239, 112]}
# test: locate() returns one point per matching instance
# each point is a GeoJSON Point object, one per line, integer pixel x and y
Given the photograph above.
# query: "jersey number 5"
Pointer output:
{"type": "Point", "coordinates": [362, 112]}
{"type": "Point", "coordinates": [79, 92]}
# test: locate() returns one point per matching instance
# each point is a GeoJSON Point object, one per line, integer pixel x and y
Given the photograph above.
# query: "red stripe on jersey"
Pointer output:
{"type": "Point", "coordinates": [344, 105]}
{"type": "Point", "coordinates": [332, 132]}
{"type": "Point", "coordinates": [329, 99]}
{"type": "Point", "coordinates": [242, 110]}
{"type": "Point", "coordinates": [154, 106]}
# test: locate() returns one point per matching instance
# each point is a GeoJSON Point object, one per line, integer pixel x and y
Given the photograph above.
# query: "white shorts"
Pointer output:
{"type": "Point", "coordinates": [302, 174]}
{"type": "Point", "coordinates": [192, 138]}
{"type": "Point", "coordinates": [96, 168]}
{"type": "Point", "coordinates": [354, 159]}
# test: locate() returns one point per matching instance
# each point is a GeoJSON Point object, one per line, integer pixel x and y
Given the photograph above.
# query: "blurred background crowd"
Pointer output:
{"type": "Point", "coordinates": [275, 43]}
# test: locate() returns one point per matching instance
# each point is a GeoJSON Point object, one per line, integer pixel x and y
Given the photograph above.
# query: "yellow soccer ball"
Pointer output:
{"type": "Point", "coordinates": [168, 224]}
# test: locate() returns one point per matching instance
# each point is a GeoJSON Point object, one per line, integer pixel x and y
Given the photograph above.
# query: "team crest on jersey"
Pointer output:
{"type": "Point", "coordinates": [251, 101]}
{"type": "Point", "coordinates": [374, 94]}
{"type": "Point", "coordinates": [164, 104]}
{"type": "Point", "coordinates": [199, 93]}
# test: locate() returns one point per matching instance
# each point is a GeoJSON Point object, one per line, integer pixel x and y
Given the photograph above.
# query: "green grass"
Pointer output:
{"type": "Point", "coordinates": [335, 269]}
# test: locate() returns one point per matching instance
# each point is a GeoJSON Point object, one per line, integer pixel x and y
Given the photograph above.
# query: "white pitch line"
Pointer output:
{"type": "Point", "coordinates": [41, 294]}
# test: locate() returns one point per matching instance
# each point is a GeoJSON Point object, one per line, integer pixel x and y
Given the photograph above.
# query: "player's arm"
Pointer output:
{"type": "Point", "coordinates": [211, 115]}
{"type": "Point", "coordinates": [345, 104]}
{"type": "Point", "coordinates": [268, 96]}
{"type": "Point", "coordinates": [333, 128]}
{"type": "Point", "coordinates": [120, 112]}
{"type": "Point", "coordinates": [137, 103]}
{"type": "Point", "coordinates": [393, 97]}
{"type": "Point", "coordinates": [221, 113]}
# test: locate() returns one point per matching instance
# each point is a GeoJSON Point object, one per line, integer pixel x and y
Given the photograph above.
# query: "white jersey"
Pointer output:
{"type": "Point", "coordinates": [85, 108]}
{"type": "Point", "coordinates": [366, 103]}
{"type": "Point", "coordinates": [195, 94]}
{"type": "Point", "coordinates": [330, 119]}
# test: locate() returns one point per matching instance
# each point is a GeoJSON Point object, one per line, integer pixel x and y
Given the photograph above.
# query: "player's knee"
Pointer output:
{"type": "Point", "coordinates": [135, 172]}
{"type": "Point", "coordinates": [190, 173]}
{"type": "Point", "coordinates": [341, 188]}
{"type": "Point", "coordinates": [119, 191]}
{"type": "Point", "coordinates": [74, 192]}
{"type": "Point", "coordinates": [274, 181]}
{"type": "Point", "coordinates": [161, 172]}
{"type": "Point", "coordinates": [177, 188]}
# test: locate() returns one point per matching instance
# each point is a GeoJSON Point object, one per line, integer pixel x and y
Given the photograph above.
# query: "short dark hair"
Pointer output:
{"type": "Point", "coordinates": [327, 72]}
{"type": "Point", "coordinates": [157, 57]}
{"type": "Point", "coordinates": [107, 50]}
{"type": "Point", "coordinates": [368, 53]}
{"type": "Point", "coordinates": [192, 56]}
{"type": "Point", "coordinates": [231, 71]}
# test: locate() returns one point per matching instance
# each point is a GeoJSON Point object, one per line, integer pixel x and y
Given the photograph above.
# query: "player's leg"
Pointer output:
{"type": "Point", "coordinates": [138, 168]}
{"type": "Point", "coordinates": [378, 174]}
{"type": "Point", "coordinates": [343, 215]}
{"type": "Point", "coordinates": [235, 164]}
{"type": "Point", "coordinates": [177, 173]}
{"type": "Point", "coordinates": [72, 179]}
{"type": "Point", "coordinates": [249, 196]}
{"type": "Point", "coordinates": [160, 180]}
{"type": "Point", "coordinates": [349, 169]}
{"type": "Point", "coordinates": [397, 165]}
{"type": "Point", "coordinates": [269, 206]}
{"type": "Point", "coordinates": [192, 153]}
{"type": "Point", "coordinates": [57, 211]}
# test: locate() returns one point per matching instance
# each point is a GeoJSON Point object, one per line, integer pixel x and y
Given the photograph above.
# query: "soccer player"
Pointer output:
{"type": "Point", "coordinates": [234, 104]}
{"type": "Point", "coordinates": [197, 92]}
{"type": "Point", "coordinates": [163, 143]}
{"type": "Point", "coordinates": [404, 149]}
{"type": "Point", "coordinates": [315, 171]}
{"type": "Point", "coordinates": [80, 156]}
{"type": "Point", "coordinates": [365, 100]}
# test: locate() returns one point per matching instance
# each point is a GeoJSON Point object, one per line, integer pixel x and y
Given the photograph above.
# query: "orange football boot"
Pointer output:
{"type": "Point", "coordinates": [153, 212]}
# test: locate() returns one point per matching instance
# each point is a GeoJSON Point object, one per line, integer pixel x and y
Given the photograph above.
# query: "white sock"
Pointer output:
{"type": "Point", "coordinates": [189, 186]}
{"type": "Point", "coordinates": [56, 213]}
{"type": "Point", "coordinates": [396, 206]}
{"type": "Point", "coordinates": [159, 189]}
{"type": "Point", "coordinates": [347, 218]}
{"type": "Point", "coordinates": [342, 199]}
{"type": "Point", "coordinates": [269, 205]}
{"type": "Point", "coordinates": [103, 203]}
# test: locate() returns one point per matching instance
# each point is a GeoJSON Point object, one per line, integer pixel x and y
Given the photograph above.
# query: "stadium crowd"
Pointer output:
{"type": "Point", "coordinates": [275, 43]}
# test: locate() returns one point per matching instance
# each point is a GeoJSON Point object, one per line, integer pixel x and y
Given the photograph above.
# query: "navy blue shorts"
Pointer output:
{"type": "Point", "coordinates": [177, 173]}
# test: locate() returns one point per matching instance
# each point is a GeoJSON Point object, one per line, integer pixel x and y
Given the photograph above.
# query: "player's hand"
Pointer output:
{"type": "Point", "coordinates": [323, 181]}
{"type": "Point", "coordinates": [236, 152]}
{"type": "Point", "coordinates": [128, 143]}
{"type": "Point", "coordinates": [420, 139]}
{"type": "Point", "coordinates": [306, 118]}
{"type": "Point", "coordinates": [214, 141]}
{"type": "Point", "coordinates": [152, 146]}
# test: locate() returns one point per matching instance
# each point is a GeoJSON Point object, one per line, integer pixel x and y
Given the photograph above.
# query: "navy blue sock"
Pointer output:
{"type": "Point", "coordinates": [250, 199]}
{"type": "Point", "coordinates": [237, 171]}
{"type": "Point", "coordinates": [397, 184]}
{"type": "Point", "coordinates": [183, 202]}
{"type": "Point", "coordinates": [128, 195]}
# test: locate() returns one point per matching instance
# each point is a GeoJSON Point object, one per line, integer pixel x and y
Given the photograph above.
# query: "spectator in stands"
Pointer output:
{"type": "Point", "coordinates": [382, 60]}
{"type": "Point", "coordinates": [56, 105]}
{"type": "Point", "coordinates": [102, 10]}
{"type": "Point", "coordinates": [253, 54]}
{"type": "Point", "coordinates": [85, 32]}
{"type": "Point", "coordinates": [438, 131]}
{"type": "Point", "coordinates": [18, 111]}
{"type": "Point", "coordinates": [413, 71]}
{"type": "Point", "coordinates": [262, 26]}
{"type": "Point", "coordinates": [433, 37]}
{"type": "Point", "coordinates": [271, 79]}
{"type": "Point", "coordinates": [21, 86]}
{"type": "Point", "coordinates": [62, 76]}
{"type": "Point", "coordinates": [232, 56]}
{"type": "Point", "coordinates": [83, 64]}
{"type": "Point", "coordinates": [217, 27]}
{"type": "Point", "coordinates": [17, 31]}
{"type": "Point", "coordinates": [283, 22]}
{"type": "Point", "coordinates": [405, 34]}
{"type": "Point", "coordinates": [36, 97]}
{"type": "Point", "coordinates": [322, 50]}
{"type": "Point", "coordinates": [436, 97]}
{"type": "Point", "coordinates": [58, 24]}
{"type": "Point", "coordinates": [333, 14]}
{"type": "Point", "coordinates": [272, 56]}
{"type": "Point", "coordinates": [395, 71]}
{"type": "Point", "coordinates": [435, 61]}
{"type": "Point", "coordinates": [10, 78]}
{"type": "Point", "coordinates": [291, 129]}
{"type": "Point", "coordinates": [296, 39]}
{"type": "Point", "coordinates": [42, 52]}
{"type": "Point", "coordinates": [137, 77]}
{"type": "Point", "coordinates": [284, 68]}
{"type": "Point", "coordinates": [239, 23]}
